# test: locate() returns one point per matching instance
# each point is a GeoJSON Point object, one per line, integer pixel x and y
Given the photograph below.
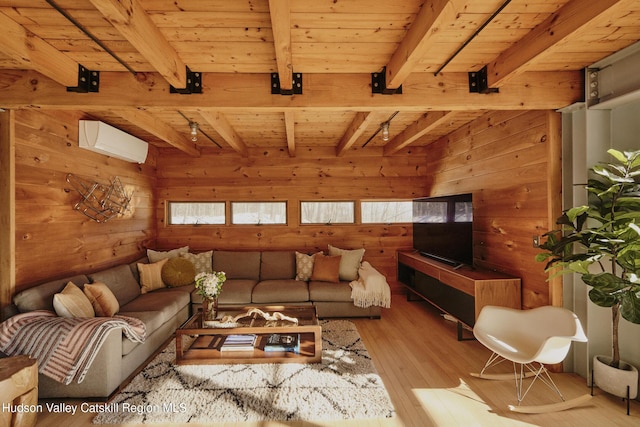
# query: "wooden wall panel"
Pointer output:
{"type": "Point", "coordinates": [7, 208]}
{"type": "Point", "coordinates": [52, 239]}
{"type": "Point", "coordinates": [502, 158]}
{"type": "Point", "coordinates": [314, 174]}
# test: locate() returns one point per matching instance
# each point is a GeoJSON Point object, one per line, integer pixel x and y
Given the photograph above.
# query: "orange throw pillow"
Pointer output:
{"type": "Point", "coordinates": [326, 268]}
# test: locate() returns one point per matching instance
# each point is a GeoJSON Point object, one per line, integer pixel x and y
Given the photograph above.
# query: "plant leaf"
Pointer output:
{"type": "Point", "coordinates": [618, 155]}
{"type": "Point", "coordinates": [630, 307]}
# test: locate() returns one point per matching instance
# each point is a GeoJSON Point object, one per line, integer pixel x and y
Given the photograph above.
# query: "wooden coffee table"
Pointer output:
{"type": "Point", "coordinates": [197, 344]}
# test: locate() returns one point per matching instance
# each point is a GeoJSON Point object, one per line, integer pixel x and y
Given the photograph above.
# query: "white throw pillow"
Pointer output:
{"type": "Point", "coordinates": [72, 302]}
{"type": "Point", "coordinates": [155, 256]}
{"type": "Point", "coordinates": [350, 262]}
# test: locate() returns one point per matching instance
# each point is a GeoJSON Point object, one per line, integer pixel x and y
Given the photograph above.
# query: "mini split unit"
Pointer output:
{"type": "Point", "coordinates": [104, 139]}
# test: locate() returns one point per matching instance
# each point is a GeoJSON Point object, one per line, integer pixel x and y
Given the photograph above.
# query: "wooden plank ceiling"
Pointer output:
{"type": "Point", "coordinates": [534, 51]}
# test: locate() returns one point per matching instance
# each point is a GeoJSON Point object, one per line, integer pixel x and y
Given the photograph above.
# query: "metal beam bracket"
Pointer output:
{"type": "Point", "coordinates": [88, 81]}
{"type": "Point", "coordinates": [295, 90]}
{"type": "Point", "coordinates": [478, 82]}
{"type": "Point", "coordinates": [194, 84]}
{"type": "Point", "coordinates": [379, 84]}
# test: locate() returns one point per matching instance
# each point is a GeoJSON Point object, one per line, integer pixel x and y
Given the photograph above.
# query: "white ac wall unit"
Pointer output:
{"type": "Point", "coordinates": [105, 139]}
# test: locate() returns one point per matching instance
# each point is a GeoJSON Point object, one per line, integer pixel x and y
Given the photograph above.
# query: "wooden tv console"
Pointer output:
{"type": "Point", "coordinates": [460, 292]}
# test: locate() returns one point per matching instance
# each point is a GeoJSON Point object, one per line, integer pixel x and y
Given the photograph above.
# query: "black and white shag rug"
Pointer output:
{"type": "Point", "coordinates": [344, 386]}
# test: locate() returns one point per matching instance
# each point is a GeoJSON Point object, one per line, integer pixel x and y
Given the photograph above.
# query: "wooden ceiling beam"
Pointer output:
{"type": "Point", "coordinates": [280, 11]}
{"type": "Point", "coordinates": [229, 92]}
{"type": "Point", "coordinates": [428, 122]}
{"type": "Point", "coordinates": [357, 127]}
{"type": "Point", "coordinates": [221, 125]}
{"type": "Point", "coordinates": [289, 126]}
{"type": "Point", "coordinates": [572, 17]}
{"type": "Point", "coordinates": [131, 20]}
{"type": "Point", "coordinates": [25, 47]}
{"type": "Point", "coordinates": [150, 123]}
{"type": "Point", "coordinates": [431, 18]}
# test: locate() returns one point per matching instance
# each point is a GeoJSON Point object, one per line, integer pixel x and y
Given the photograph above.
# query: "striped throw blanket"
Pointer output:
{"type": "Point", "coordinates": [64, 347]}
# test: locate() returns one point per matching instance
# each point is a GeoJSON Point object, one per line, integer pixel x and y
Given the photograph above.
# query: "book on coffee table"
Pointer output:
{"type": "Point", "coordinates": [283, 342]}
{"type": "Point", "coordinates": [239, 342]}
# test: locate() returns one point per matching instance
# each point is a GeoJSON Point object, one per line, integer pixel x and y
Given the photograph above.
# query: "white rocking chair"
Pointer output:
{"type": "Point", "coordinates": [530, 339]}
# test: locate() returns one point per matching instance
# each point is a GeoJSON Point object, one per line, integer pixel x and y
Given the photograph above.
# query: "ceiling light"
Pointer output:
{"type": "Point", "coordinates": [385, 130]}
{"type": "Point", "coordinates": [194, 131]}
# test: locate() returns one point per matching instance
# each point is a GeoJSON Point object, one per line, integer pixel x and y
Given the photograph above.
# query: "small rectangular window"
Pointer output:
{"type": "Point", "coordinates": [327, 212]}
{"type": "Point", "coordinates": [386, 211]}
{"type": "Point", "coordinates": [258, 213]}
{"type": "Point", "coordinates": [197, 213]}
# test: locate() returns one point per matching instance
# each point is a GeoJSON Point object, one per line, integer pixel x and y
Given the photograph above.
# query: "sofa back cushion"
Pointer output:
{"type": "Point", "coordinates": [237, 264]}
{"type": "Point", "coordinates": [40, 297]}
{"type": "Point", "coordinates": [276, 265]}
{"type": "Point", "coordinates": [121, 282]}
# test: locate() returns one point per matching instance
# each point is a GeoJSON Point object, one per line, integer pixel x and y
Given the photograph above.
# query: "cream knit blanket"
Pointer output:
{"type": "Point", "coordinates": [371, 288]}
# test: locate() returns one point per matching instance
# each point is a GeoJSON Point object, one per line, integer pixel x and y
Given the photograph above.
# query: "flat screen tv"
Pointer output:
{"type": "Point", "coordinates": [443, 228]}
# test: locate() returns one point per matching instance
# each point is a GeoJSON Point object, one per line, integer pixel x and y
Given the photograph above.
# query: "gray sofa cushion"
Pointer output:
{"type": "Point", "coordinates": [234, 291]}
{"type": "Point", "coordinates": [166, 304]}
{"type": "Point", "coordinates": [286, 290]}
{"type": "Point", "coordinates": [41, 297]}
{"type": "Point", "coordinates": [328, 291]}
{"type": "Point", "coordinates": [278, 265]}
{"type": "Point", "coordinates": [151, 319]}
{"type": "Point", "coordinates": [237, 264]}
{"type": "Point", "coordinates": [121, 281]}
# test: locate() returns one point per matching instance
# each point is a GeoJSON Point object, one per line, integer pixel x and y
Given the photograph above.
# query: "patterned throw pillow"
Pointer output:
{"type": "Point", "coordinates": [104, 302]}
{"type": "Point", "coordinates": [72, 302]}
{"type": "Point", "coordinates": [304, 266]}
{"type": "Point", "coordinates": [202, 262]}
{"type": "Point", "coordinates": [151, 276]}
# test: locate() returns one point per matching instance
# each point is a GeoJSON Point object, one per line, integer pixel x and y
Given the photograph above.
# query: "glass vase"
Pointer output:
{"type": "Point", "coordinates": [209, 309]}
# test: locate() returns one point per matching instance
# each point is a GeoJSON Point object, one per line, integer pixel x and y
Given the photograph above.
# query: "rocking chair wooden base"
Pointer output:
{"type": "Point", "coordinates": [552, 407]}
{"type": "Point", "coordinates": [499, 377]}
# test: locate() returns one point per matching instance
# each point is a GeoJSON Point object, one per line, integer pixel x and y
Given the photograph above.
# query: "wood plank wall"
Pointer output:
{"type": "Point", "coordinates": [502, 158]}
{"type": "Point", "coordinates": [52, 239]}
{"type": "Point", "coordinates": [271, 175]}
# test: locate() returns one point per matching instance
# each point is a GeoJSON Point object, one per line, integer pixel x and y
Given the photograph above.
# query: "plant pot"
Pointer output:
{"type": "Point", "coordinates": [615, 380]}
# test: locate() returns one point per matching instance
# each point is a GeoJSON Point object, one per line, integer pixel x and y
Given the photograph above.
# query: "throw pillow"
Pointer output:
{"type": "Point", "coordinates": [350, 263]}
{"type": "Point", "coordinates": [326, 268]}
{"type": "Point", "coordinates": [202, 261]}
{"type": "Point", "coordinates": [178, 272]}
{"type": "Point", "coordinates": [155, 256]}
{"type": "Point", "coordinates": [151, 276]}
{"type": "Point", "coordinates": [104, 302]}
{"type": "Point", "coordinates": [304, 266]}
{"type": "Point", "coordinates": [72, 302]}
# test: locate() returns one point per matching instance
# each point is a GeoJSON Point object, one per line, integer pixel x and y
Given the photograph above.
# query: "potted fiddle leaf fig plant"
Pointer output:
{"type": "Point", "coordinates": [601, 242]}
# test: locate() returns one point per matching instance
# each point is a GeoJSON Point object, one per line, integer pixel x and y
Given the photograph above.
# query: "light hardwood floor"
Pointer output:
{"type": "Point", "coordinates": [426, 371]}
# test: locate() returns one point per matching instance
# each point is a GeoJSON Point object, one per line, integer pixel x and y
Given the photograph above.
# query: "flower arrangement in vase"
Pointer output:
{"type": "Point", "coordinates": [209, 286]}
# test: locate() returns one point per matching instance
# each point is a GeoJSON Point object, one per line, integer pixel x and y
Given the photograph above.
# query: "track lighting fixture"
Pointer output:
{"type": "Point", "coordinates": [385, 130]}
{"type": "Point", "coordinates": [194, 131]}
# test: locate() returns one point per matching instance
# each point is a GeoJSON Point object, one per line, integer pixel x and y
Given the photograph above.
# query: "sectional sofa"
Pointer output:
{"type": "Point", "coordinates": [253, 278]}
